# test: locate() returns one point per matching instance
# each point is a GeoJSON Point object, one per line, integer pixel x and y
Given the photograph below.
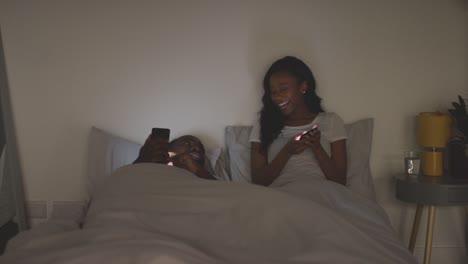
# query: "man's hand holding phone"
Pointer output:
{"type": "Point", "coordinates": [155, 148]}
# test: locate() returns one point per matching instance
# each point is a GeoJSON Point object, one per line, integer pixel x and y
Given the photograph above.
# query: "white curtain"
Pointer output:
{"type": "Point", "coordinates": [11, 184]}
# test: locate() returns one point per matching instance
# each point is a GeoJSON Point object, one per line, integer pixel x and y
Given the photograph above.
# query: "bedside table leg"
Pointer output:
{"type": "Point", "coordinates": [430, 231]}
{"type": "Point", "coordinates": [416, 222]}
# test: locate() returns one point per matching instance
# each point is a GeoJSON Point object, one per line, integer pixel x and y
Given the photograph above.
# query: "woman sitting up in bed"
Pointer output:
{"type": "Point", "coordinates": [186, 152]}
{"type": "Point", "coordinates": [282, 151]}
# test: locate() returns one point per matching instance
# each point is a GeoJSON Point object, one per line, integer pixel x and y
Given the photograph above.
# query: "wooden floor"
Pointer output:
{"type": "Point", "coordinates": [7, 231]}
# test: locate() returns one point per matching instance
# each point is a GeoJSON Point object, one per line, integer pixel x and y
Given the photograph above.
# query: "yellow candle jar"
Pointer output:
{"type": "Point", "coordinates": [432, 163]}
{"type": "Point", "coordinates": [434, 130]}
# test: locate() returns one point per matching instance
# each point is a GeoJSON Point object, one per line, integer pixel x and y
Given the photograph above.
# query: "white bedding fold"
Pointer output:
{"type": "Point", "coordinates": [149, 213]}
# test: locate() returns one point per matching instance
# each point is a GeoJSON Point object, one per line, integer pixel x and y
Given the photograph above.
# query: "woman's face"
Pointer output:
{"type": "Point", "coordinates": [286, 92]}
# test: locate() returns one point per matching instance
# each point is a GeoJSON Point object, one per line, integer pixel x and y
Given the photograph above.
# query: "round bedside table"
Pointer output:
{"type": "Point", "coordinates": [432, 192]}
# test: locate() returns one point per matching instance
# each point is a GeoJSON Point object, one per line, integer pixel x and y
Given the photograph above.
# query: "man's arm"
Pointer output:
{"type": "Point", "coordinates": [153, 151]}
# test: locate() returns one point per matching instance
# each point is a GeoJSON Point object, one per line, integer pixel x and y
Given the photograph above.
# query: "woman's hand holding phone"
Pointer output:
{"type": "Point", "coordinates": [295, 147]}
{"type": "Point", "coordinates": [310, 138]}
{"type": "Point", "coordinates": [305, 133]}
{"type": "Point", "coordinates": [298, 144]}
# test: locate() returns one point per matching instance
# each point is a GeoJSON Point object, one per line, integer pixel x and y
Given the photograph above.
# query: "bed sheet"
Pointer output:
{"type": "Point", "coordinates": [150, 213]}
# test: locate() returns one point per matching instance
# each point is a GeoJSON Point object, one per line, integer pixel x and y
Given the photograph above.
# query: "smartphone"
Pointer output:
{"type": "Point", "coordinates": [311, 131]}
{"type": "Point", "coordinates": [160, 133]}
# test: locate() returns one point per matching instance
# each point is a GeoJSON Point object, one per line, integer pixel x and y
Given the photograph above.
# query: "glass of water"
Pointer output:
{"type": "Point", "coordinates": [412, 162]}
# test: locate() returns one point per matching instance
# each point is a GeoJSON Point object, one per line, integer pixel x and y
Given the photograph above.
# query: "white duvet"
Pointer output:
{"type": "Point", "coordinates": [149, 213]}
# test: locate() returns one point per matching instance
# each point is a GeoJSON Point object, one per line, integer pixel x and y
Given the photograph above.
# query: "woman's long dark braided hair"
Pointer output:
{"type": "Point", "coordinates": [271, 118]}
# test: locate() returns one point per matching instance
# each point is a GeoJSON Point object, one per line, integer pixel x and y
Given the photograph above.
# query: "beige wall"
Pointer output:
{"type": "Point", "coordinates": [196, 67]}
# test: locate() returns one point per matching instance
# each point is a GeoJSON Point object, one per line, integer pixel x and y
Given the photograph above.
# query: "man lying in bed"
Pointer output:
{"type": "Point", "coordinates": [186, 152]}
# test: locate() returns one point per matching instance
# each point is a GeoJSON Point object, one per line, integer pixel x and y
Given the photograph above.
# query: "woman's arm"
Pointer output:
{"type": "Point", "coordinates": [264, 173]}
{"type": "Point", "coordinates": [333, 167]}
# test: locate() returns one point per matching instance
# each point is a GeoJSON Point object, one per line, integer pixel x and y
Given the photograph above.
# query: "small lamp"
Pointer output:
{"type": "Point", "coordinates": [433, 135]}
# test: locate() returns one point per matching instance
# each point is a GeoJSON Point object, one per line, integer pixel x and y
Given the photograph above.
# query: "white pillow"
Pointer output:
{"type": "Point", "coordinates": [217, 163]}
{"type": "Point", "coordinates": [358, 144]}
{"type": "Point", "coordinates": [107, 152]}
{"type": "Point", "coordinates": [238, 152]}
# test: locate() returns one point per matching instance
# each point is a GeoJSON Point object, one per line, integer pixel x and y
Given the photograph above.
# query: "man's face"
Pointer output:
{"type": "Point", "coordinates": [175, 154]}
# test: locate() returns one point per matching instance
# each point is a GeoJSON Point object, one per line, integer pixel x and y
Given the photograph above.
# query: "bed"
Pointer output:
{"type": "Point", "coordinates": [152, 213]}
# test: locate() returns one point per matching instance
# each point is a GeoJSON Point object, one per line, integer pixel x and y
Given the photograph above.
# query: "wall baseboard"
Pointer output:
{"type": "Point", "coordinates": [36, 209]}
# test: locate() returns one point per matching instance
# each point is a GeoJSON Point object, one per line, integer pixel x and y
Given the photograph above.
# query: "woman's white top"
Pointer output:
{"type": "Point", "coordinates": [303, 166]}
